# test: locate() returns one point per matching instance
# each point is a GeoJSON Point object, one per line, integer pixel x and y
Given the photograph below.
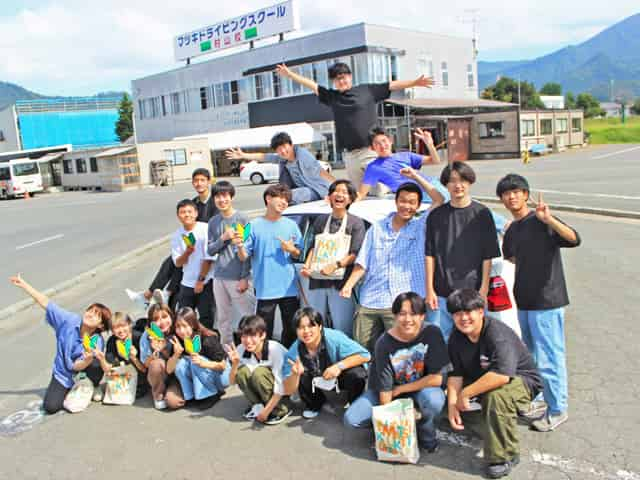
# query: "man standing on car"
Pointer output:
{"type": "Point", "coordinates": [299, 169]}
{"type": "Point", "coordinates": [354, 110]}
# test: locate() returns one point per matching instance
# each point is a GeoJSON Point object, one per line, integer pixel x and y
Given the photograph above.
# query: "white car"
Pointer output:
{"type": "Point", "coordinates": [262, 172]}
{"type": "Point", "coordinates": [372, 210]}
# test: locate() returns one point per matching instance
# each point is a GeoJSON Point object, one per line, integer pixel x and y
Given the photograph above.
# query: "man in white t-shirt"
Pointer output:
{"type": "Point", "coordinates": [189, 251]}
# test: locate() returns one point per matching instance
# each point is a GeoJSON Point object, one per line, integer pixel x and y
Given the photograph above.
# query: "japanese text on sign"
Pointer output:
{"type": "Point", "coordinates": [269, 21]}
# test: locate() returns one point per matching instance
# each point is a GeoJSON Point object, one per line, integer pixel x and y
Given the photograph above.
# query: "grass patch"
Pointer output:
{"type": "Point", "coordinates": [612, 130]}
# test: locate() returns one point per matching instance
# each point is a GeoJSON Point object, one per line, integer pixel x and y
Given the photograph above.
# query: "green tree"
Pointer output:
{"type": "Point", "coordinates": [590, 105]}
{"type": "Point", "coordinates": [124, 125]}
{"type": "Point", "coordinates": [506, 90]}
{"type": "Point", "coordinates": [551, 88]}
{"type": "Point", "coordinates": [569, 101]}
{"type": "Point", "coordinates": [635, 108]}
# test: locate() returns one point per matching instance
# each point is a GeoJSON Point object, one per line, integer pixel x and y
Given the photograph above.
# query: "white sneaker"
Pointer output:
{"type": "Point", "coordinates": [97, 394]}
{"type": "Point", "coordinates": [160, 404]}
{"type": "Point", "coordinates": [309, 414]}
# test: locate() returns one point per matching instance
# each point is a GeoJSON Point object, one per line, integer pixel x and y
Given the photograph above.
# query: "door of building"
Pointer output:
{"type": "Point", "coordinates": [458, 139]}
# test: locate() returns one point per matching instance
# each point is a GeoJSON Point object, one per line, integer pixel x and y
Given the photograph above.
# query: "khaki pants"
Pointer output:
{"type": "Point", "coordinates": [257, 386]}
{"type": "Point", "coordinates": [356, 161]}
{"type": "Point", "coordinates": [369, 324]}
{"type": "Point", "coordinates": [497, 422]}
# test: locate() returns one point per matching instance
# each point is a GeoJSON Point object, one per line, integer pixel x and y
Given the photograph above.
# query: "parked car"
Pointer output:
{"type": "Point", "coordinates": [263, 172]}
{"type": "Point", "coordinates": [20, 176]}
{"type": "Point", "coordinates": [375, 209]}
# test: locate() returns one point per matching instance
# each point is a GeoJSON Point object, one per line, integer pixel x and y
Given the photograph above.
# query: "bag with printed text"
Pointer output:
{"type": "Point", "coordinates": [394, 425]}
{"type": "Point", "coordinates": [121, 383]}
{"type": "Point", "coordinates": [328, 249]}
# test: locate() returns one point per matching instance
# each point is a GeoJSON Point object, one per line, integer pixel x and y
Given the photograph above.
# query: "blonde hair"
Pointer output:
{"type": "Point", "coordinates": [118, 317]}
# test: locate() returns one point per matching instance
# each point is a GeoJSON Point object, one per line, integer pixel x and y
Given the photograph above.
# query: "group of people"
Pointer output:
{"type": "Point", "coordinates": [401, 314]}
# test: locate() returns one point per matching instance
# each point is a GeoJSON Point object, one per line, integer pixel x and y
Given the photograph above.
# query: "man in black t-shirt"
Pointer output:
{"type": "Point", "coordinates": [409, 362]}
{"type": "Point", "coordinates": [533, 242]}
{"type": "Point", "coordinates": [461, 240]}
{"type": "Point", "coordinates": [354, 110]}
{"type": "Point", "coordinates": [493, 377]}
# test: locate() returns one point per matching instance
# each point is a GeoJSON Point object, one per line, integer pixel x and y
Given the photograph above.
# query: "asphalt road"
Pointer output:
{"type": "Point", "coordinates": [139, 443]}
{"type": "Point", "coordinates": [52, 238]}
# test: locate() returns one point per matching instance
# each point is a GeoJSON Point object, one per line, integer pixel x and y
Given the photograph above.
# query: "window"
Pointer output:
{"type": "Point", "coordinates": [321, 74]}
{"type": "Point", "coordinates": [164, 105]}
{"type": "Point", "coordinates": [246, 89]}
{"type": "Point", "coordinates": [67, 166]}
{"type": "Point", "coordinates": [235, 94]}
{"type": "Point", "coordinates": [576, 125]}
{"type": "Point", "coordinates": [394, 67]}
{"type": "Point", "coordinates": [263, 86]}
{"type": "Point", "coordinates": [22, 169]}
{"type": "Point", "coordinates": [546, 126]}
{"type": "Point", "coordinates": [528, 128]}
{"type": "Point", "coordinates": [378, 68]}
{"type": "Point", "coordinates": [307, 72]}
{"type": "Point", "coordinates": [93, 164]}
{"type": "Point", "coordinates": [296, 88]}
{"type": "Point", "coordinates": [445, 74]}
{"type": "Point", "coordinates": [141, 110]}
{"type": "Point", "coordinates": [175, 103]}
{"type": "Point", "coordinates": [361, 68]}
{"type": "Point", "coordinates": [81, 165]}
{"type": "Point", "coordinates": [204, 98]}
{"type": "Point", "coordinates": [561, 125]}
{"type": "Point", "coordinates": [176, 157]}
{"type": "Point", "coordinates": [1, 136]}
{"type": "Point", "coordinates": [5, 173]}
{"type": "Point", "coordinates": [491, 129]}
{"type": "Point", "coordinates": [277, 91]}
{"type": "Point", "coordinates": [470, 79]}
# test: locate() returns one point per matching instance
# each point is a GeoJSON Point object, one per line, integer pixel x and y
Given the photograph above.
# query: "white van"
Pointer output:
{"type": "Point", "coordinates": [20, 176]}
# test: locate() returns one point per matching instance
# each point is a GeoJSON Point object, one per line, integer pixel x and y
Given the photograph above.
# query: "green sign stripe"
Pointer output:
{"type": "Point", "coordinates": [204, 46]}
{"type": "Point", "coordinates": [250, 33]}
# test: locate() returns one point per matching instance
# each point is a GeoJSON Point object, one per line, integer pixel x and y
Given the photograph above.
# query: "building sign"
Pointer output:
{"type": "Point", "coordinates": [267, 22]}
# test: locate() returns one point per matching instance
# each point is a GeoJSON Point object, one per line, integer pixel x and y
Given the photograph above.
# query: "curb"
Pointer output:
{"type": "Point", "coordinates": [575, 209]}
{"type": "Point", "coordinates": [22, 305]}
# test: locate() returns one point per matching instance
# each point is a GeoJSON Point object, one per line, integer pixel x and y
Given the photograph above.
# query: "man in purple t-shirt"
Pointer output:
{"type": "Point", "coordinates": [394, 169]}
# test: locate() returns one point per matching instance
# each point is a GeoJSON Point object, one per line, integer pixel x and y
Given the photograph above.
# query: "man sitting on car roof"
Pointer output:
{"type": "Point", "coordinates": [393, 169]}
{"type": "Point", "coordinates": [299, 169]}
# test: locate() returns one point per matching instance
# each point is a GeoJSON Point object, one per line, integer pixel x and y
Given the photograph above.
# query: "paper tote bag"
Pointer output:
{"type": "Point", "coordinates": [328, 248]}
{"type": "Point", "coordinates": [121, 385]}
{"type": "Point", "coordinates": [394, 426]}
{"type": "Point", "coordinates": [79, 397]}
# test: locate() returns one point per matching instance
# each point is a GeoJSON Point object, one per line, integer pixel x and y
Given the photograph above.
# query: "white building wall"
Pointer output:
{"type": "Point", "coordinates": [10, 138]}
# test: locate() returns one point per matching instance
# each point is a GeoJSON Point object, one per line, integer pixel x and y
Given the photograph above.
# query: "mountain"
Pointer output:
{"type": "Point", "coordinates": [10, 92]}
{"type": "Point", "coordinates": [613, 54]}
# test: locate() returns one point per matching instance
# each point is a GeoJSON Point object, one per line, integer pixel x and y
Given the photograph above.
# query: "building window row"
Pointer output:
{"type": "Point", "coordinates": [366, 68]}
{"type": "Point", "coordinates": [528, 127]}
{"type": "Point", "coordinates": [81, 165]}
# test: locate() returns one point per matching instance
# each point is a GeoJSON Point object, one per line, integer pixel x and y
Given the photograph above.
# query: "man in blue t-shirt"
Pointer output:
{"type": "Point", "coordinates": [272, 243]}
{"type": "Point", "coordinates": [394, 169]}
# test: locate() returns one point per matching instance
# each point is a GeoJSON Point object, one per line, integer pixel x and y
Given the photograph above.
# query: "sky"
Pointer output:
{"type": "Point", "coordinates": [80, 47]}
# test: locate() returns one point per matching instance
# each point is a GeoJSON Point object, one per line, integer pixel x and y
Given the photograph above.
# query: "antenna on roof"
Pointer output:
{"type": "Point", "coordinates": [472, 16]}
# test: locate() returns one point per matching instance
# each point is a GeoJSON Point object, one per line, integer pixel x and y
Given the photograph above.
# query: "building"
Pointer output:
{"type": "Point", "coordinates": [553, 101]}
{"type": "Point", "coordinates": [614, 109]}
{"type": "Point", "coordinates": [241, 90]}
{"type": "Point", "coordinates": [80, 122]}
{"type": "Point", "coordinates": [554, 129]}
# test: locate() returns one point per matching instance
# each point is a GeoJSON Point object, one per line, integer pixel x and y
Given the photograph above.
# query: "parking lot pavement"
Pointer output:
{"type": "Point", "coordinates": [138, 442]}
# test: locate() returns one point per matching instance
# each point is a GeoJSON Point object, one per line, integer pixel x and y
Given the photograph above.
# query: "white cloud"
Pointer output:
{"type": "Point", "coordinates": [81, 47]}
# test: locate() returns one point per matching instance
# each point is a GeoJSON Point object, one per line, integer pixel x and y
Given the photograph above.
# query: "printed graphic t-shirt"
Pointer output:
{"type": "Point", "coordinates": [397, 363]}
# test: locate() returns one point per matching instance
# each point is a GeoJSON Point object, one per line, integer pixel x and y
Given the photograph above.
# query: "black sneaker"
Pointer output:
{"type": "Point", "coordinates": [499, 470]}
{"type": "Point", "coordinates": [276, 419]}
{"type": "Point", "coordinates": [430, 447]}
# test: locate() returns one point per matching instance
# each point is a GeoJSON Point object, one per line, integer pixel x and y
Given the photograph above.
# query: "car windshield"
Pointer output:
{"type": "Point", "coordinates": [5, 174]}
{"type": "Point", "coordinates": [22, 169]}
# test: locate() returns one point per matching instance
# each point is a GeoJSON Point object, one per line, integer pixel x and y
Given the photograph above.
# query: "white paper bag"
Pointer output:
{"type": "Point", "coordinates": [328, 248]}
{"type": "Point", "coordinates": [121, 385]}
{"type": "Point", "coordinates": [394, 425]}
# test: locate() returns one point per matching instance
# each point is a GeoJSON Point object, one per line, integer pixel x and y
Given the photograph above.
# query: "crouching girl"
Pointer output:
{"type": "Point", "coordinates": [198, 362]}
{"type": "Point", "coordinates": [71, 355]}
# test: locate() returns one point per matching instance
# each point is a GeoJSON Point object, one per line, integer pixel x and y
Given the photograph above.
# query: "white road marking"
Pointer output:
{"type": "Point", "coordinates": [48, 239]}
{"type": "Point", "coordinates": [572, 466]}
{"type": "Point", "coordinates": [582, 194]}
{"type": "Point", "coordinates": [613, 154]}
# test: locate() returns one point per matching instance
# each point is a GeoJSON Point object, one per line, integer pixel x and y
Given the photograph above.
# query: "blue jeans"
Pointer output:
{"type": "Point", "coordinates": [441, 318]}
{"type": "Point", "coordinates": [429, 401]}
{"type": "Point", "coordinates": [197, 382]}
{"type": "Point", "coordinates": [543, 333]}
{"type": "Point", "coordinates": [303, 195]}
{"type": "Point", "coordinates": [342, 309]}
